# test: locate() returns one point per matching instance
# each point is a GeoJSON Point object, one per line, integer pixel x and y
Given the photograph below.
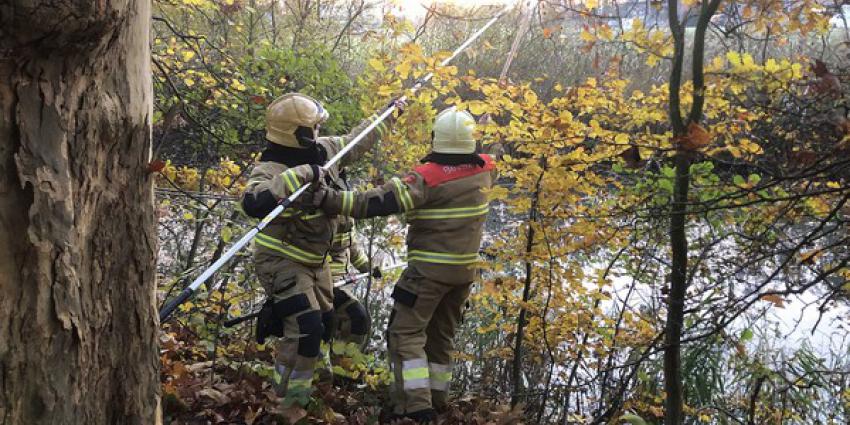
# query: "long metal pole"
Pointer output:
{"type": "Point", "coordinates": [187, 292]}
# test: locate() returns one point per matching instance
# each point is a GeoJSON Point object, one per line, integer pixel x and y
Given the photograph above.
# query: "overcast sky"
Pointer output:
{"type": "Point", "coordinates": [415, 8]}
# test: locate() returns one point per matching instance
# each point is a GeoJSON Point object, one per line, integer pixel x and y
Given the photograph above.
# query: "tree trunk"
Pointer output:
{"type": "Point", "coordinates": [516, 370]}
{"type": "Point", "coordinates": [78, 323]}
{"type": "Point", "coordinates": [673, 412]}
{"type": "Point", "coordinates": [673, 388]}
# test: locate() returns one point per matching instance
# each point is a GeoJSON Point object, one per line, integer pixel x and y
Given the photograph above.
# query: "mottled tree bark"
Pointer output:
{"type": "Point", "coordinates": [77, 244]}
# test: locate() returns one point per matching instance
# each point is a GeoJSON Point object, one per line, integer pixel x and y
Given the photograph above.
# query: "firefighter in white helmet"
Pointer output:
{"type": "Point", "coordinates": [290, 253]}
{"type": "Point", "coordinates": [446, 210]}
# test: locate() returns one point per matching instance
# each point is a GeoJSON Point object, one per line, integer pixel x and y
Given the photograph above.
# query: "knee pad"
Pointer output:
{"type": "Point", "coordinates": [329, 324]}
{"type": "Point", "coordinates": [359, 318]}
{"type": "Point", "coordinates": [340, 298]}
{"type": "Point", "coordinates": [310, 325]}
{"type": "Point", "coordinates": [271, 315]}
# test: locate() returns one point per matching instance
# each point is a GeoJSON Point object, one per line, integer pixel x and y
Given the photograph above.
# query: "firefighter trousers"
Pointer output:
{"type": "Point", "coordinates": [420, 336]}
{"type": "Point", "coordinates": [306, 294]}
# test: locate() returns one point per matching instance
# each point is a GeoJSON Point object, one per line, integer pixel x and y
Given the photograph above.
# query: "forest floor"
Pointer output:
{"type": "Point", "coordinates": [198, 388]}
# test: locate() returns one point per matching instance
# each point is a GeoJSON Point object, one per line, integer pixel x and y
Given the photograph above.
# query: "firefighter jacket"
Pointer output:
{"type": "Point", "coordinates": [445, 209]}
{"type": "Point", "coordinates": [303, 236]}
{"type": "Point", "coordinates": [344, 251]}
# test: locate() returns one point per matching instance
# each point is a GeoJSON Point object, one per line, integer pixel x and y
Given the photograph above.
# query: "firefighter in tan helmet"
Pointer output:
{"type": "Point", "coordinates": [290, 253]}
{"type": "Point", "coordinates": [446, 210]}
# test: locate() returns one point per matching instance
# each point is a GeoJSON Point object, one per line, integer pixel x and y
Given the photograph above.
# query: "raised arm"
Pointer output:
{"type": "Point", "coordinates": [395, 197]}
{"type": "Point", "coordinates": [267, 186]}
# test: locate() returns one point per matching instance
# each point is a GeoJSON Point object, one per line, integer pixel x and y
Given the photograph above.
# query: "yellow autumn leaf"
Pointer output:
{"type": "Point", "coordinates": [717, 63]}
{"type": "Point", "coordinates": [237, 85]}
{"type": "Point", "coordinates": [771, 66]}
{"type": "Point", "coordinates": [734, 58]}
{"type": "Point", "coordinates": [403, 69]}
{"type": "Point", "coordinates": [606, 33]}
{"type": "Point", "coordinates": [476, 107]}
{"type": "Point", "coordinates": [652, 60]}
{"type": "Point", "coordinates": [377, 65]}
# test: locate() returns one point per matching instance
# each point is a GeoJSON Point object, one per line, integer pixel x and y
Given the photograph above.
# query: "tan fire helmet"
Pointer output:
{"type": "Point", "coordinates": [292, 120]}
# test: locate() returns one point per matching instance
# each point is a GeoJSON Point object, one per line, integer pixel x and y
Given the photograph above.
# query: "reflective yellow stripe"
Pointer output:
{"type": "Point", "coordinates": [449, 213]}
{"type": "Point", "coordinates": [440, 373]}
{"type": "Point", "coordinates": [382, 129]}
{"type": "Point", "coordinates": [288, 253]}
{"type": "Point", "coordinates": [406, 201]}
{"type": "Point", "coordinates": [342, 237]}
{"type": "Point", "coordinates": [298, 385]}
{"type": "Point", "coordinates": [300, 214]}
{"type": "Point", "coordinates": [415, 373]}
{"type": "Point", "coordinates": [360, 260]}
{"type": "Point", "coordinates": [288, 250]}
{"type": "Point", "coordinates": [347, 202]}
{"type": "Point", "coordinates": [291, 179]}
{"type": "Point", "coordinates": [287, 180]}
{"type": "Point", "coordinates": [337, 267]}
{"type": "Point", "coordinates": [441, 257]}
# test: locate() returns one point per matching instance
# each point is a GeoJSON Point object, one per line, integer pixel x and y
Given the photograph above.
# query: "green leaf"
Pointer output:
{"type": "Point", "coordinates": [666, 184]}
{"type": "Point", "coordinates": [738, 180]}
{"type": "Point", "coordinates": [226, 234]}
{"type": "Point", "coordinates": [754, 179]}
{"type": "Point", "coordinates": [746, 335]}
{"type": "Point", "coordinates": [633, 419]}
